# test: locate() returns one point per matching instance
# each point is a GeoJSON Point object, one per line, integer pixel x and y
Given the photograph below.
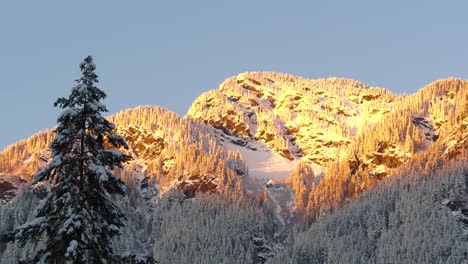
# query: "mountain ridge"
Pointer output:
{"type": "Point", "coordinates": [314, 128]}
{"type": "Point", "coordinates": [258, 72]}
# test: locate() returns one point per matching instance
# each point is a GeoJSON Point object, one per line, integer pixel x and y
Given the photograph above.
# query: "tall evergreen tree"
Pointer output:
{"type": "Point", "coordinates": [78, 216]}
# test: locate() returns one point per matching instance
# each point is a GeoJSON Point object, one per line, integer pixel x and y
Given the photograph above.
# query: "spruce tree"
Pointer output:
{"type": "Point", "coordinates": [78, 217]}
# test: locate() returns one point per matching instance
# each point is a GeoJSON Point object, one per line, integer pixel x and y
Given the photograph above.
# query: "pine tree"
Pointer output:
{"type": "Point", "coordinates": [78, 216]}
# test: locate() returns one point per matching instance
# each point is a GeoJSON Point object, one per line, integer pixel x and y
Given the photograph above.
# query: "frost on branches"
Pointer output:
{"type": "Point", "coordinates": [78, 217]}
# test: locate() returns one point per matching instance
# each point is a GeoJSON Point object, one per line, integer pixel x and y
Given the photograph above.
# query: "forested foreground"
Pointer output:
{"type": "Point", "coordinates": [409, 219]}
{"type": "Point", "coordinates": [206, 229]}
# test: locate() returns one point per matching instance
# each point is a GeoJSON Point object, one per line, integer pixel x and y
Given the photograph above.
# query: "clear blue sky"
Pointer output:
{"type": "Point", "coordinates": [167, 53]}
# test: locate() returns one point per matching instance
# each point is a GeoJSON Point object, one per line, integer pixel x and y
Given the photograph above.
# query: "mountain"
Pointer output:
{"type": "Point", "coordinates": [349, 134]}
{"type": "Point", "coordinates": [301, 148]}
{"type": "Point", "coordinates": [277, 123]}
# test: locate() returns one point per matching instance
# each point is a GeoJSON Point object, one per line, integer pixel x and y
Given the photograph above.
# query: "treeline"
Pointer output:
{"type": "Point", "coordinates": [170, 148]}
{"type": "Point", "coordinates": [163, 145]}
{"type": "Point", "coordinates": [25, 156]}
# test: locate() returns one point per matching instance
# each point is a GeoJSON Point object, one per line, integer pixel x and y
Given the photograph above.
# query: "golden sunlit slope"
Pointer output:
{"type": "Point", "coordinates": [423, 130]}
{"type": "Point", "coordinates": [171, 150]}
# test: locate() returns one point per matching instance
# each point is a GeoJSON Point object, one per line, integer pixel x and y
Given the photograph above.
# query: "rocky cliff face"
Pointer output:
{"type": "Point", "coordinates": [299, 119]}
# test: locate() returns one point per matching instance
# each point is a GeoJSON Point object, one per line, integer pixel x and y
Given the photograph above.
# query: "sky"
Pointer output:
{"type": "Point", "coordinates": [167, 53]}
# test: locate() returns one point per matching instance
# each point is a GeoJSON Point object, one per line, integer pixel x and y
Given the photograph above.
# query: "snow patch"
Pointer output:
{"type": "Point", "coordinates": [262, 163]}
{"type": "Point", "coordinates": [70, 225]}
{"type": "Point", "coordinates": [71, 249]}
{"type": "Point", "coordinates": [100, 171]}
{"type": "Point", "coordinates": [34, 223]}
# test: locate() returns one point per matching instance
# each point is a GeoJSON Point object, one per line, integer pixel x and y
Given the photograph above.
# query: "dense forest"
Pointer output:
{"type": "Point", "coordinates": [408, 219]}
{"type": "Point", "coordinates": [412, 218]}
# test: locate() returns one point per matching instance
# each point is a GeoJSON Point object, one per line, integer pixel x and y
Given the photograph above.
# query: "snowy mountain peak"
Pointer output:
{"type": "Point", "coordinates": [299, 119]}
